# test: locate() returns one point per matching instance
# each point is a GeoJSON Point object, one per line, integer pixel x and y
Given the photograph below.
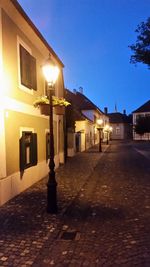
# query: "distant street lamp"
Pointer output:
{"type": "Point", "coordinates": [100, 128]}
{"type": "Point", "coordinates": [110, 130]}
{"type": "Point", "coordinates": [51, 72]}
{"type": "Point", "coordinates": [106, 129]}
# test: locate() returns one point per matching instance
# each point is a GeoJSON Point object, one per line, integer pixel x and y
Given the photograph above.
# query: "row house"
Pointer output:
{"type": "Point", "coordinates": [142, 111]}
{"type": "Point", "coordinates": [83, 132]}
{"type": "Point", "coordinates": [121, 125]}
{"type": "Point", "coordinates": [24, 130]}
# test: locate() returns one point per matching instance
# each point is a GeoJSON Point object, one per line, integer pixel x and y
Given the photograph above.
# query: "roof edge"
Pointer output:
{"type": "Point", "coordinates": [142, 107]}
{"type": "Point", "coordinates": [29, 21]}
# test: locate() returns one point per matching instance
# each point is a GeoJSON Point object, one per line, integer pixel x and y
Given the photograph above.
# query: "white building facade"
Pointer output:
{"type": "Point", "coordinates": [24, 130]}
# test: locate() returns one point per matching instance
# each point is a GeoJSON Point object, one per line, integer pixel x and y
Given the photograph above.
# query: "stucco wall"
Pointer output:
{"type": "Point", "coordinates": [115, 133]}
{"type": "Point", "coordinates": [17, 111]}
{"type": "Point", "coordinates": [14, 121]}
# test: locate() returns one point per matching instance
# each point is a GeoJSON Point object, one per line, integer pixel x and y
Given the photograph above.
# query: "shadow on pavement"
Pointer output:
{"type": "Point", "coordinates": [104, 213]}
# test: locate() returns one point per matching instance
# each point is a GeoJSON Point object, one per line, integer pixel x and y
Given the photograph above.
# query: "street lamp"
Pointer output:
{"type": "Point", "coordinates": [110, 130]}
{"type": "Point", "coordinates": [51, 72]}
{"type": "Point", "coordinates": [100, 128]}
{"type": "Point", "coordinates": [106, 129]}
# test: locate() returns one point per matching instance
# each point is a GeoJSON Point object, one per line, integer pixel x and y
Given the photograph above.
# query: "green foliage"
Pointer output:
{"type": "Point", "coordinates": [56, 101]}
{"type": "Point", "coordinates": [142, 125]}
{"type": "Point", "coordinates": [141, 49]}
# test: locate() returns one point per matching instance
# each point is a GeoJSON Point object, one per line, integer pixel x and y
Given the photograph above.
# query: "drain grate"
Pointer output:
{"type": "Point", "coordinates": [72, 235]}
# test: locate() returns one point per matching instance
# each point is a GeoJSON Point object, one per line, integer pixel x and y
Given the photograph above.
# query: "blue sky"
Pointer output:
{"type": "Point", "coordinates": [91, 37]}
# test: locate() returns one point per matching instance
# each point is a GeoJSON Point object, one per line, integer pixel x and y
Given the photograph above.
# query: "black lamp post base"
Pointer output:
{"type": "Point", "coordinates": [100, 139]}
{"type": "Point", "coordinates": [52, 198]}
{"type": "Point", "coordinates": [100, 147]}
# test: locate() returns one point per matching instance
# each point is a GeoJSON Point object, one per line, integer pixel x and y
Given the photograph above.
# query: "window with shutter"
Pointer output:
{"type": "Point", "coordinates": [33, 73]}
{"type": "Point", "coordinates": [34, 149]}
{"type": "Point", "coordinates": [28, 150]}
{"type": "Point", "coordinates": [22, 153]}
{"type": "Point", "coordinates": [27, 69]}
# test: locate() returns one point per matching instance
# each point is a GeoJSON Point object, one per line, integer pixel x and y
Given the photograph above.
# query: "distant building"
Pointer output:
{"type": "Point", "coordinates": [81, 122]}
{"type": "Point", "coordinates": [142, 111]}
{"type": "Point", "coordinates": [121, 125]}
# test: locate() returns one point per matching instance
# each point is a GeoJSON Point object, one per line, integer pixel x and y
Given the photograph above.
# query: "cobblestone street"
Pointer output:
{"type": "Point", "coordinates": [103, 218]}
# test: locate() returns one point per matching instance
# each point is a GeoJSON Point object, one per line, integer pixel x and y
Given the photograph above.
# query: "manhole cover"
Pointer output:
{"type": "Point", "coordinates": [70, 235]}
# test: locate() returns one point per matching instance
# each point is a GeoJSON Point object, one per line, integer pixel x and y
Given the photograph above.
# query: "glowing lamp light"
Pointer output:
{"type": "Point", "coordinates": [99, 121]}
{"type": "Point", "coordinates": [106, 127]}
{"type": "Point", "coordinates": [50, 71]}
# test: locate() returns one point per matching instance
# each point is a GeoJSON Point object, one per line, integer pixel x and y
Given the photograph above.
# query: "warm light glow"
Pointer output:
{"type": "Point", "coordinates": [99, 121]}
{"type": "Point", "coordinates": [50, 71]}
{"type": "Point", "coordinates": [110, 128]}
{"type": "Point", "coordinates": [106, 128]}
{"type": "Point", "coordinates": [5, 85]}
{"type": "Point", "coordinates": [6, 114]}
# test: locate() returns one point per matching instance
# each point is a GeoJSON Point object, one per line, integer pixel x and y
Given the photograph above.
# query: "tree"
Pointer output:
{"type": "Point", "coordinates": [142, 125]}
{"type": "Point", "coordinates": [141, 48]}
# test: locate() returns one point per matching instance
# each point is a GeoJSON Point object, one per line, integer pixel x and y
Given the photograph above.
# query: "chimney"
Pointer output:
{"type": "Point", "coordinates": [74, 91]}
{"type": "Point", "coordinates": [124, 112]}
{"type": "Point", "coordinates": [81, 90]}
{"type": "Point", "coordinates": [105, 110]}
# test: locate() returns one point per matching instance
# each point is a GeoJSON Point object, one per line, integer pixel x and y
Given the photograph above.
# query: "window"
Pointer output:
{"type": "Point", "coordinates": [117, 130]}
{"type": "Point", "coordinates": [28, 150]}
{"type": "Point", "coordinates": [27, 69]}
{"type": "Point", "coordinates": [139, 116]}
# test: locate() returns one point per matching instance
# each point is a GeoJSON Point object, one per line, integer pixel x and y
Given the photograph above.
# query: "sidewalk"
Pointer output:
{"type": "Point", "coordinates": [24, 224]}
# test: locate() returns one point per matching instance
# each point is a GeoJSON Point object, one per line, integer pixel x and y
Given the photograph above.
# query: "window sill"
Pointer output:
{"type": "Point", "coordinates": [25, 89]}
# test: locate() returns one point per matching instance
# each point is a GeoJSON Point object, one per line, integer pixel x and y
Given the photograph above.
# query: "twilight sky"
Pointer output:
{"type": "Point", "coordinates": [91, 37]}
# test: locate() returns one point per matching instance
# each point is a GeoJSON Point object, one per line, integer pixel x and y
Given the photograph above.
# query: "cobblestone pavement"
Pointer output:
{"type": "Point", "coordinates": [143, 147]}
{"type": "Point", "coordinates": [103, 219]}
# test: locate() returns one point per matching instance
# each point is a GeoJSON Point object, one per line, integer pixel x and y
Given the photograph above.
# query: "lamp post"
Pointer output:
{"type": "Point", "coordinates": [100, 128]}
{"type": "Point", "coordinates": [106, 129]}
{"type": "Point", "coordinates": [110, 131]}
{"type": "Point", "coordinates": [51, 71]}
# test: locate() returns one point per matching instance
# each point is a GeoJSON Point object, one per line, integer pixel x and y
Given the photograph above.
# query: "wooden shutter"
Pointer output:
{"type": "Point", "coordinates": [25, 67]}
{"type": "Point", "coordinates": [22, 153]}
{"type": "Point", "coordinates": [34, 149]}
{"type": "Point", "coordinates": [33, 73]}
{"type": "Point", "coordinates": [28, 69]}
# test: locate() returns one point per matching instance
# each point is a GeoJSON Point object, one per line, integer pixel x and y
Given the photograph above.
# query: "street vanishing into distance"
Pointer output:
{"type": "Point", "coordinates": [103, 217]}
